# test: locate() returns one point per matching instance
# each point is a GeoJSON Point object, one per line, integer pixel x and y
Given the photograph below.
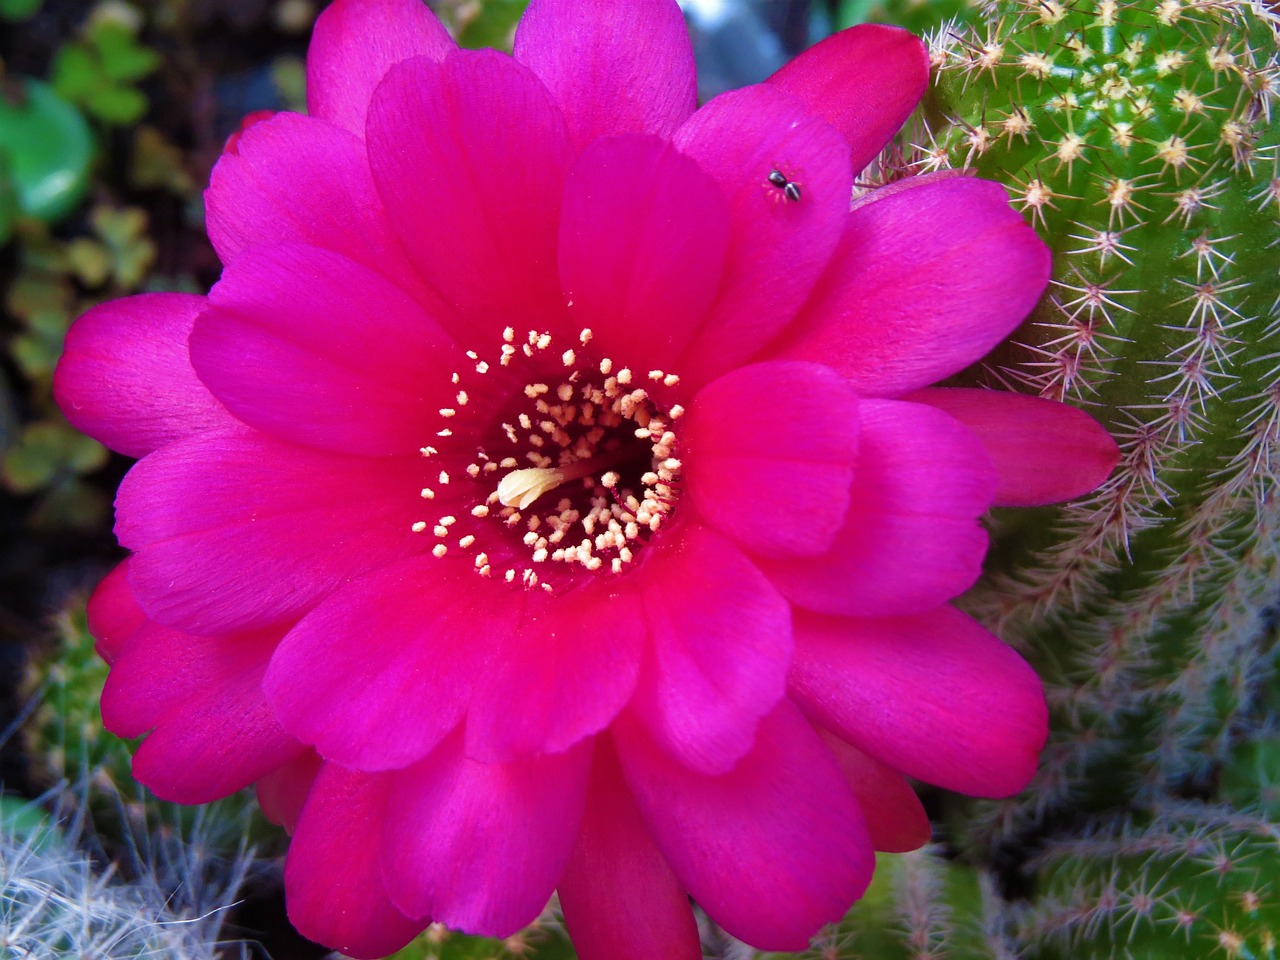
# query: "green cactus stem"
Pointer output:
{"type": "Point", "coordinates": [1185, 881]}
{"type": "Point", "coordinates": [919, 905]}
{"type": "Point", "coordinates": [1140, 138]}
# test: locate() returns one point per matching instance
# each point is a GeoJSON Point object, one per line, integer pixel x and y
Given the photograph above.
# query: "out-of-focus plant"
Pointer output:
{"type": "Point", "coordinates": [45, 152]}
{"type": "Point", "coordinates": [19, 10]}
{"type": "Point", "coordinates": [491, 23]}
{"type": "Point", "coordinates": [544, 939]}
{"type": "Point", "coordinates": [55, 281]}
{"type": "Point", "coordinates": [100, 71]}
{"type": "Point", "coordinates": [918, 16]}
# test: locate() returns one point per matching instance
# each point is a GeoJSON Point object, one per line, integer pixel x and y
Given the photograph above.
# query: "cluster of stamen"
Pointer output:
{"type": "Point", "coordinates": [573, 437]}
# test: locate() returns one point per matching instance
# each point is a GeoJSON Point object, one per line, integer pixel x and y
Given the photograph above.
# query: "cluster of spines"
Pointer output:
{"type": "Point", "coordinates": [167, 900]}
{"type": "Point", "coordinates": [1180, 880]}
{"type": "Point", "coordinates": [921, 906]}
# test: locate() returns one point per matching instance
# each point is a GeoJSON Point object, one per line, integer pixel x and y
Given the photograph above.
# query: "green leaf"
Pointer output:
{"type": "Point", "coordinates": [122, 106]}
{"type": "Point", "coordinates": [123, 58]}
{"type": "Point", "coordinates": [47, 450]}
{"type": "Point", "coordinates": [48, 148]}
{"type": "Point", "coordinates": [75, 72]}
{"type": "Point", "coordinates": [493, 25]}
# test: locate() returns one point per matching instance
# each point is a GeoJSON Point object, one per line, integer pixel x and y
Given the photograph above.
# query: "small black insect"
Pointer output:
{"type": "Point", "coordinates": [790, 189]}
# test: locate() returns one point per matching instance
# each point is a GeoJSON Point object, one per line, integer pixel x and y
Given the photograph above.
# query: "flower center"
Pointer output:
{"type": "Point", "coordinates": [554, 463]}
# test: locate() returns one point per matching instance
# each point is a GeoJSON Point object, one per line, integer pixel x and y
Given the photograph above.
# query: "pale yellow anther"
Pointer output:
{"type": "Point", "coordinates": [419, 526]}
{"type": "Point", "coordinates": [439, 550]}
{"type": "Point", "coordinates": [428, 493]}
{"type": "Point", "coordinates": [509, 334]}
{"type": "Point", "coordinates": [569, 358]}
{"type": "Point", "coordinates": [585, 336]}
{"type": "Point", "coordinates": [444, 476]}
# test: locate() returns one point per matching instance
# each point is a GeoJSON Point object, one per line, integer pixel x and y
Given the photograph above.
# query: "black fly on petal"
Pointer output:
{"type": "Point", "coordinates": [790, 189]}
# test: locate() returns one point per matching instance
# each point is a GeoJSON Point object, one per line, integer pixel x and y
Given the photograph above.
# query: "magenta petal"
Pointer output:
{"type": "Point", "coordinates": [125, 377]}
{"type": "Point", "coordinates": [381, 671]}
{"type": "Point", "coordinates": [475, 195]}
{"type": "Point", "coordinates": [113, 614]}
{"type": "Point", "coordinates": [911, 537]}
{"type": "Point", "coordinates": [1043, 451]}
{"type": "Point", "coordinates": [214, 733]}
{"type": "Point", "coordinates": [778, 248]}
{"type": "Point", "coordinates": [934, 695]}
{"type": "Point", "coordinates": [720, 641]}
{"type": "Point", "coordinates": [365, 365]}
{"type": "Point", "coordinates": [642, 247]}
{"type": "Point", "coordinates": [614, 66]}
{"type": "Point", "coordinates": [283, 791]}
{"type": "Point", "coordinates": [771, 850]}
{"type": "Point", "coordinates": [480, 846]}
{"type": "Point", "coordinates": [355, 43]}
{"type": "Point", "coordinates": [280, 529]}
{"type": "Point", "coordinates": [619, 897]}
{"type": "Point", "coordinates": [561, 674]}
{"type": "Point", "coordinates": [770, 450]}
{"type": "Point", "coordinates": [925, 282]}
{"type": "Point", "coordinates": [896, 819]}
{"type": "Point", "coordinates": [286, 182]}
{"type": "Point", "coordinates": [864, 81]}
{"type": "Point", "coordinates": [332, 879]}
{"type": "Point", "coordinates": [159, 669]}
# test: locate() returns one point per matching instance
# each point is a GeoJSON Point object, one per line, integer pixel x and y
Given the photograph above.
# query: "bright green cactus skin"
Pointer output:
{"type": "Point", "coordinates": [66, 729]}
{"type": "Point", "coordinates": [544, 939]}
{"type": "Point", "coordinates": [1140, 138]}
{"type": "Point", "coordinates": [919, 905]}
{"type": "Point", "coordinates": [1193, 882]}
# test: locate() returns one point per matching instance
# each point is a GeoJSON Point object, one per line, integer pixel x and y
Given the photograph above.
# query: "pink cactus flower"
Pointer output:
{"type": "Point", "coordinates": [552, 494]}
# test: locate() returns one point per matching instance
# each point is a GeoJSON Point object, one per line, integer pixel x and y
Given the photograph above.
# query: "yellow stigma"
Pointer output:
{"type": "Point", "coordinates": [522, 488]}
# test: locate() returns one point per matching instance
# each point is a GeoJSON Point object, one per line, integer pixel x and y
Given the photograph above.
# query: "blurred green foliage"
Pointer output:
{"type": "Point", "coordinates": [19, 9]}
{"type": "Point", "coordinates": [544, 939]}
{"type": "Point", "coordinates": [918, 16]}
{"type": "Point", "coordinates": [45, 152]}
{"type": "Point", "coordinates": [482, 24]}
{"type": "Point", "coordinates": [100, 72]}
